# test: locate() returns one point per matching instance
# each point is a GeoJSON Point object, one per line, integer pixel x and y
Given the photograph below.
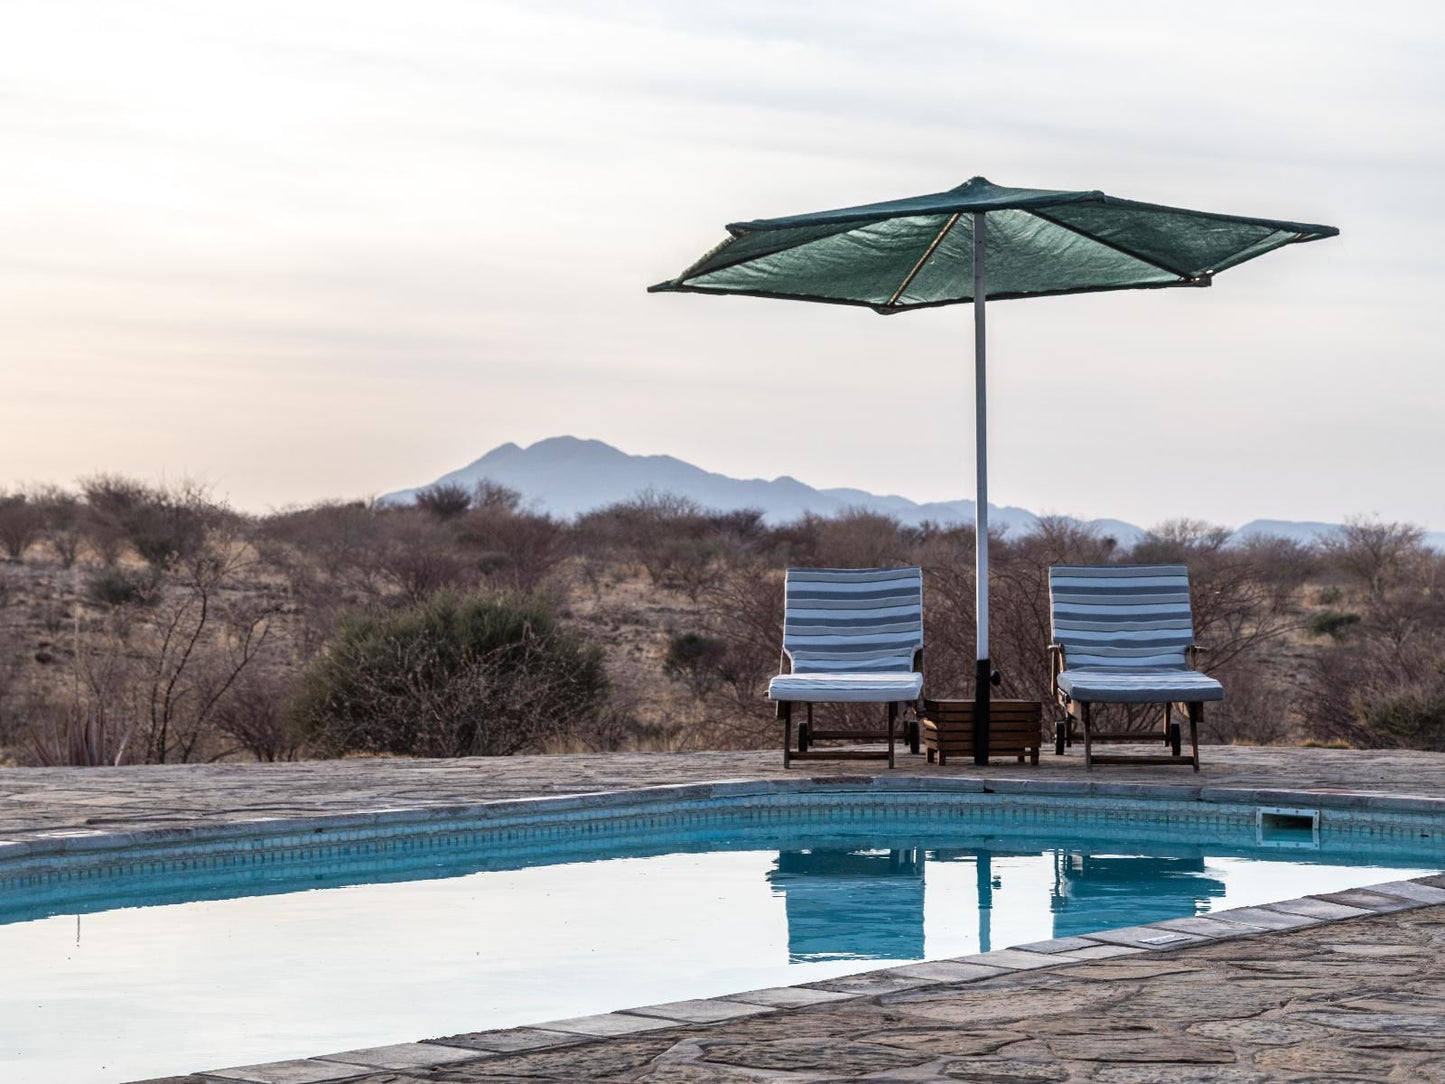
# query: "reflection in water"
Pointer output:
{"type": "Point", "coordinates": [1099, 892]}
{"type": "Point", "coordinates": [868, 904]}
{"type": "Point", "coordinates": [851, 905]}
{"type": "Point", "coordinates": [985, 882]}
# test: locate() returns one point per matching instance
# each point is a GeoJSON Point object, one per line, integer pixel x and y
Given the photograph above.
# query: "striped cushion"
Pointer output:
{"type": "Point", "coordinates": [1122, 616]}
{"type": "Point", "coordinates": [846, 688]}
{"type": "Point", "coordinates": [1125, 685]}
{"type": "Point", "coordinates": [853, 620]}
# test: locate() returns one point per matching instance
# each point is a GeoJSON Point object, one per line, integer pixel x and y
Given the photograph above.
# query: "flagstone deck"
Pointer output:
{"type": "Point", "coordinates": [1349, 987]}
{"type": "Point", "coordinates": [132, 799]}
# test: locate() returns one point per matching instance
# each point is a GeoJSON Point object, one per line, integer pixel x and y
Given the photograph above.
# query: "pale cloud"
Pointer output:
{"type": "Point", "coordinates": [340, 248]}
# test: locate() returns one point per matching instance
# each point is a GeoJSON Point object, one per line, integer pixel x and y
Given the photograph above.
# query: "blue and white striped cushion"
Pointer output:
{"type": "Point", "coordinates": [853, 620]}
{"type": "Point", "coordinates": [847, 688]}
{"type": "Point", "coordinates": [1135, 616]}
{"type": "Point", "coordinates": [1125, 685]}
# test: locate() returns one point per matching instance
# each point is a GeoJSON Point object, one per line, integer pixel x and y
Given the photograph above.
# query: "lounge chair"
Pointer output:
{"type": "Point", "coordinates": [850, 636]}
{"type": "Point", "coordinates": [1124, 635]}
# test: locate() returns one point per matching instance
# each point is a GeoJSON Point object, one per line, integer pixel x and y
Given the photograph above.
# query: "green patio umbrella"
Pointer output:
{"type": "Point", "coordinates": [972, 243]}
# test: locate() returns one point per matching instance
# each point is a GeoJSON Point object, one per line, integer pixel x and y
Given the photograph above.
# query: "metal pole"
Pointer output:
{"type": "Point", "coordinates": [983, 881]}
{"type": "Point", "coordinates": [983, 671]}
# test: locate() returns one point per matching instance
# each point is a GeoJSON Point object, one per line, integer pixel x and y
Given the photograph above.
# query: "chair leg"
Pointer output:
{"type": "Point", "coordinates": [892, 723]}
{"type": "Point", "coordinates": [1196, 716]}
{"type": "Point", "coordinates": [1088, 736]}
{"type": "Point", "coordinates": [785, 709]}
{"type": "Point", "coordinates": [1168, 712]}
{"type": "Point", "coordinates": [1060, 736]}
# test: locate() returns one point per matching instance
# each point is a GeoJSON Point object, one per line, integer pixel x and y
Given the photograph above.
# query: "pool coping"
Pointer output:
{"type": "Point", "coordinates": [1040, 956]}
{"type": "Point", "coordinates": [56, 842]}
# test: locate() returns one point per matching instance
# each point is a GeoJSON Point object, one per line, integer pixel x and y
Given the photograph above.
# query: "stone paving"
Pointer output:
{"type": "Point", "coordinates": [138, 798]}
{"type": "Point", "coordinates": [1344, 987]}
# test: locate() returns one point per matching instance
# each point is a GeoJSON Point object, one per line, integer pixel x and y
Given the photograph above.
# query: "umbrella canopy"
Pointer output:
{"type": "Point", "coordinates": [977, 242]}
{"type": "Point", "coordinates": [918, 252]}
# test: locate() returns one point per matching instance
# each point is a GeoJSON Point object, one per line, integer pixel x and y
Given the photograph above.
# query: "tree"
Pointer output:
{"type": "Point", "coordinates": [445, 500]}
{"type": "Point", "coordinates": [21, 523]}
{"type": "Point", "coordinates": [1377, 555]}
{"type": "Point", "coordinates": [64, 522]}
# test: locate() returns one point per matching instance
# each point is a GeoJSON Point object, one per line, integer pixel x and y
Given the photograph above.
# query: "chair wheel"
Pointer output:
{"type": "Point", "coordinates": [914, 736]}
{"type": "Point", "coordinates": [803, 736]}
{"type": "Point", "coordinates": [1059, 737]}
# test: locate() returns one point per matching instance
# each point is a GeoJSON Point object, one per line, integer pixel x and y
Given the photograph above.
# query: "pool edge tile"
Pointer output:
{"type": "Point", "coordinates": [948, 972]}
{"type": "Point", "coordinates": [401, 1056]}
{"type": "Point", "coordinates": [605, 1025]}
{"type": "Point", "coordinates": [1312, 907]}
{"type": "Point", "coordinates": [701, 1010]}
{"type": "Point", "coordinates": [790, 997]}
{"type": "Point", "coordinates": [509, 1040]}
{"type": "Point", "coordinates": [291, 1071]}
{"type": "Point", "coordinates": [1012, 959]}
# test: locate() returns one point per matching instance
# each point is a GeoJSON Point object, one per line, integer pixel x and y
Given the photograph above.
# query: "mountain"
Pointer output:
{"type": "Point", "coordinates": [567, 476]}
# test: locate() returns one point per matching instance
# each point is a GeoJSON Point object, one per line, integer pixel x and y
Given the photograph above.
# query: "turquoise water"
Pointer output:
{"type": "Point", "coordinates": [130, 970]}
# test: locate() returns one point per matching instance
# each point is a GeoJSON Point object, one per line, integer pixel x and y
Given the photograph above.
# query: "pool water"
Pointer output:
{"type": "Point", "coordinates": [123, 976]}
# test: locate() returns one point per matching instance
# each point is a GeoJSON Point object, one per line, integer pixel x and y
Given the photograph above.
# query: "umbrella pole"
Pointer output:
{"type": "Point", "coordinates": [983, 670]}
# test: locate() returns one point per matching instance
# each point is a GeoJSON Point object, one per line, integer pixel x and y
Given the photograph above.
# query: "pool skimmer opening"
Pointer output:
{"type": "Point", "coordinates": [1285, 827]}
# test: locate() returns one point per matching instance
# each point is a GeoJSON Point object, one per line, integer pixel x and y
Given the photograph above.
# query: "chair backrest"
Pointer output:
{"type": "Point", "coordinates": [1123, 615]}
{"type": "Point", "coordinates": [853, 620]}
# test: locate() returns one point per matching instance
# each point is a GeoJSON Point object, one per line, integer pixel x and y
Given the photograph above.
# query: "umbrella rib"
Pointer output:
{"type": "Point", "coordinates": [1111, 245]}
{"type": "Point", "coordinates": [908, 280]}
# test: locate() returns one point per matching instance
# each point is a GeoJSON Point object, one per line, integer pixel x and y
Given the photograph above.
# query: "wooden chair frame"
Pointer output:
{"type": "Point", "coordinates": [1079, 711]}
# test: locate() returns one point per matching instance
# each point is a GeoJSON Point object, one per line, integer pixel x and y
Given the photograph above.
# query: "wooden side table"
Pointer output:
{"type": "Point", "coordinates": [1014, 727]}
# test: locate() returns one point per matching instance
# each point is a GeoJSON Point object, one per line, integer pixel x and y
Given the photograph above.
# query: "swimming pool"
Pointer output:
{"type": "Point", "coordinates": [188, 953]}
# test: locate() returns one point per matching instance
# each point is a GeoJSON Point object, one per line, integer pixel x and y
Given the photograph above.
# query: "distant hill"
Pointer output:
{"type": "Point", "coordinates": [567, 476]}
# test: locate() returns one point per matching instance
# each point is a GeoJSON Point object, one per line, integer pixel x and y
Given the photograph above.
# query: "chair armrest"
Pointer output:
{"type": "Point", "coordinates": [1056, 666]}
{"type": "Point", "coordinates": [1193, 653]}
{"type": "Point", "coordinates": [785, 666]}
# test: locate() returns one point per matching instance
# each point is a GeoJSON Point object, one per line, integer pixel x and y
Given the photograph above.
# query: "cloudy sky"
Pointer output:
{"type": "Point", "coordinates": [331, 249]}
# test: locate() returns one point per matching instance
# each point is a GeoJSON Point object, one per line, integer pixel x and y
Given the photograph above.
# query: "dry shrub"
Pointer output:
{"type": "Point", "coordinates": [517, 551]}
{"type": "Point", "coordinates": [64, 528]}
{"type": "Point", "coordinates": [22, 521]}
{"type": "Point", "coordinates": [253, 715]}
{"type": "Point", "coordinates": [453, 676]}
{"type": "Point", "coordinates": [445, 501]}
{"type": "Point", "coordinates": [419, 557]}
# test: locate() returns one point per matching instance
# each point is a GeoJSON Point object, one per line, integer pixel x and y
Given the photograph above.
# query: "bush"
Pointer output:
{"type": "Point", "coordinates": [114, 587]}
{"type": "Point", "coordinates": [64, 522]}
{"type": "Point", "coordinates": [696, 661]}
{"type": "Point", "coordinates": [165, 524]}
{"type": "Point", "coordinates": [516, 551]}
{"type": "Point", "coordinates": [457, 675]}
{"type": "Point", "coordinates": [21, 523]}
{"type": "Point", "coordinates": [1412, 718]}
{"type": "Point", "coordinates": [445, 501]}
{"type": "Point", "coordinates": [1333, 623]}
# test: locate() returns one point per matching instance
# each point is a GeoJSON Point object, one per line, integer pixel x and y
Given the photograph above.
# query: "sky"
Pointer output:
{"type": "Point", "coordinates": [336, 249]}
